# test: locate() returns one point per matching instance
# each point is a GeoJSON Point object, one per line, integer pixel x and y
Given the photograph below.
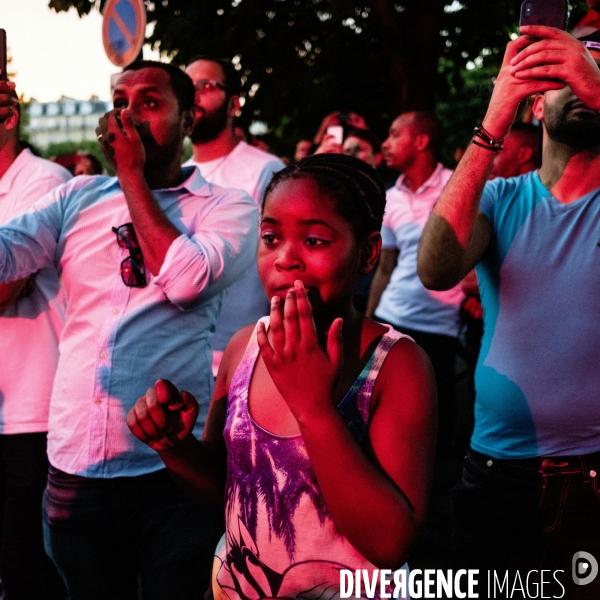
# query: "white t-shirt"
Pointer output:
{"type": "Point", "coordinates": [250, 169]}
{"type": "Point", "coordinates": [30, 327]}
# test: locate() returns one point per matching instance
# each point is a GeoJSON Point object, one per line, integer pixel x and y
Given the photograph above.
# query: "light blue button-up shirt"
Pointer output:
{"type": "Point", "coordinates": [117, 340]}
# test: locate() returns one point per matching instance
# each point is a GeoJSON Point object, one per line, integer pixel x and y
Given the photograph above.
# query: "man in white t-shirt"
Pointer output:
{"type": "Point", "coordinates": [228, 162]}
{"type": "Point", "coordinates": [31, 318]}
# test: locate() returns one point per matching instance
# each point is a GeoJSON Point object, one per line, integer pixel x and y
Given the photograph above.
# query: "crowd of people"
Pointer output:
{"type": "Point", "coordinates": [234, 377]}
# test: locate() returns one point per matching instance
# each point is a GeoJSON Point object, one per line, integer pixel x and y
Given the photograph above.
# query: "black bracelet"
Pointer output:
{"type": "Point", "coordinates": [491, 142]}
{"type": "Point", "coordinates": [474, 141]}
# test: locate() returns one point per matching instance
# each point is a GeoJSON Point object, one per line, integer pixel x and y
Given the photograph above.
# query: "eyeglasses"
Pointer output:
{"type": "Point", "coordinates": [133, 271]}
{"type": "Point", "coordinates": [206, 86]}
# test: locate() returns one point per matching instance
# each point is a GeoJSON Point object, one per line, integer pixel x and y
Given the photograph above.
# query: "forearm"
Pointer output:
{"type": "Point", "coordinates": [207, 260]}
{"type": "Point", "coordinates": [198, 469]}
{"type": "Point", "coordinates": [365, 504]}
{"type": "Point", "coordinates": [444, 257]}
{"type": "Point", "coordinates": [154, 231]}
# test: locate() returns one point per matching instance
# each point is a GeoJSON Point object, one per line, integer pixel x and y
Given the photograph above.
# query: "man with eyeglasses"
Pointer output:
{"type": "Point", "coordinates": [31, 318]}
{"type": "Point", "coordinates": [144, 258]}
{"type": "Point", "coordinates": [227, 161]}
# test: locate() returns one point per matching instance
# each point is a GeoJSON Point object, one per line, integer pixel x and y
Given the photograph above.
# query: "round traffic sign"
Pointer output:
{"type": "Point", "coordinates": [123, 30]}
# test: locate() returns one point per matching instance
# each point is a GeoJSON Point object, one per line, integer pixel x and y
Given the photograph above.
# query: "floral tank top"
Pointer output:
{"type": "Point", "coordinates": [280, 540]}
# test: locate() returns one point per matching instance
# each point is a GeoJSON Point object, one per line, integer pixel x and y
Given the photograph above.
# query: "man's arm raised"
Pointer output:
{"type": "Point", "coordinates": [124, 150]}
{"type": "Point", "coordinates": [457, 235]}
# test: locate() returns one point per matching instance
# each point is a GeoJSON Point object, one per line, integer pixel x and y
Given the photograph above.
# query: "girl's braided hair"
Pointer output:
{"type": "Point", "coordinates": [352, 184]}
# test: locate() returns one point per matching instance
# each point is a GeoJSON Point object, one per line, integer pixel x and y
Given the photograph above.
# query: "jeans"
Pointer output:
{"type": "Point", "coordinates": [27, 573]}
{"type": "Point", "coordinates": [111, 537]}
{"type": "Point", "coordinates": [531, 514]}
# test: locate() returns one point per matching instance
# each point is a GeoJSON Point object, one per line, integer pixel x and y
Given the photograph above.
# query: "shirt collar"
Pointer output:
{"type": "Point", "coordinates": [433, 181]}
{"type": "Point", "coordinates": [15, 167]}
{"type": "Point", "coordinates": [193, 182]}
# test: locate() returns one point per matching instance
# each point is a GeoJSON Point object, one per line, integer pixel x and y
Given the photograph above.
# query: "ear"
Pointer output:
{"type": "Point", "coordinates": [12, 122]}
{"type": "Point", "coordinates": [525, 155]}
{"type": "Point", "coordinates": [188, 118]}
{"type": "Point", "coordinates": [422, 142]}
{"type": "Point", "coordinates": [538, 107]}
{"type": "Point", "coordinates": [233, 106]}
{"type": "Point", "coordinates": [371, 248]}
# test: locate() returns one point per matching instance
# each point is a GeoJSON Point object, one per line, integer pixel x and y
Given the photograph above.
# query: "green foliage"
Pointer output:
{"type": "Point", "coordinates": [301, 59]}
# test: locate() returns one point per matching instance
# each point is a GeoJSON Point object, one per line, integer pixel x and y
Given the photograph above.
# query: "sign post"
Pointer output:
{"type": "Point", "coordinates": [123, 30]}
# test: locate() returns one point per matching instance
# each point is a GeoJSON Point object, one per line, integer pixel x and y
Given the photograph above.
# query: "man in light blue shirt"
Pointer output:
{"type": "Point", "coordinates": [144, 259]}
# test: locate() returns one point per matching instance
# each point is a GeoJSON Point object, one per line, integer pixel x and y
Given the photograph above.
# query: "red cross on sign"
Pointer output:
{"type": "Point", "coordinates": [123, 30]}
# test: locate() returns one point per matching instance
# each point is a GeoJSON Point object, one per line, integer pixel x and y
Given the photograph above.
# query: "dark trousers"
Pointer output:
{"type": "Point", "coordinates": [27, 573]}
{"type": "Point", "coordinates": [111, 537]}
{"type": "Point", "coordinates": [441, 350]}
{"type": "Point", "coordinates": [528, 515]}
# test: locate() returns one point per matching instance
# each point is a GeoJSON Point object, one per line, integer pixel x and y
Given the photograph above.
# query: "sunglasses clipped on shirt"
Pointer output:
{"type": "Point", "coordinates": [133, 271]}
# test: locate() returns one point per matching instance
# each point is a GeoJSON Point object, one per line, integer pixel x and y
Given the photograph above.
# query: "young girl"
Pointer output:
{"type": "Point", "coordinates": [322, 425]}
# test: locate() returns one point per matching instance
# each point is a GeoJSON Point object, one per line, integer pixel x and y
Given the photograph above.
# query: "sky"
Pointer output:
{"type": "Point", "coordinates": [56, 54]}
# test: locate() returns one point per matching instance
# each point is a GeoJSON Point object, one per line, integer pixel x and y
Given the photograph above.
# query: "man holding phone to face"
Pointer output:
{"type": "Point", "coordinates": [144, 258]}
{"type": "Point", "coordinates": [529, 494]}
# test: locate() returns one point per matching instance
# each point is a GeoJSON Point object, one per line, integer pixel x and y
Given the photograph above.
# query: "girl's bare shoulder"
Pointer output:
{"type": "Point", "coordinates": [406, 373]}
{"type": "Point", "coordinates": [234, 353]}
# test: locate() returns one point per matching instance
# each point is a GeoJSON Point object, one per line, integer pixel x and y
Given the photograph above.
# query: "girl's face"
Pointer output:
{"type": "Point", "coordinates": [302, 236]}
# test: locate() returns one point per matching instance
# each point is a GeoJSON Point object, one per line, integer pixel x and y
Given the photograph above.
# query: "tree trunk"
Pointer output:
{"type": "Point", "coordinates": [410, 49]}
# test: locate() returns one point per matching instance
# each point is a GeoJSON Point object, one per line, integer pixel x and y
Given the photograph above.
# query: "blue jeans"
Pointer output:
{"type": "Point", "coordinates": [109, 537]}
{"type": "Point", "coordinates": [529, 514]}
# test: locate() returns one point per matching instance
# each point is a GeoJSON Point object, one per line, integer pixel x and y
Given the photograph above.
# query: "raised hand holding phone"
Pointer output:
{"type": "Point", "coordinates": [8, 97]}
{"type": "Point", "coordinates": [554, 55]}
{"type": "Point", "coordinates": [3, 54]}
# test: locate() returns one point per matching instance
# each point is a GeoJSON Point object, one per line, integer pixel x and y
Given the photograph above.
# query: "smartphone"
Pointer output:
{"type": "Point", "coordinates": [552, 13]}
{"type": "Point", "coordinates": [337, 131]}
{"type": "Point", "coordinates": [3, 57]}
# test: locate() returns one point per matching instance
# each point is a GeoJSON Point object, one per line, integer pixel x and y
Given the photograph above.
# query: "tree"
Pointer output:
{"type": "Point", "coordinates": [301, 59]}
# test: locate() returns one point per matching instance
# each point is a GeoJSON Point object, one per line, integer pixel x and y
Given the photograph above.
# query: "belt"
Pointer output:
{"type": "Point", "coordinates": [580, 462]}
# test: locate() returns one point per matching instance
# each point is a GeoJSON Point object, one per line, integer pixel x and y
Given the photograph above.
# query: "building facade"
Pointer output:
{"type": "Point", "coordinates": [66, 120]}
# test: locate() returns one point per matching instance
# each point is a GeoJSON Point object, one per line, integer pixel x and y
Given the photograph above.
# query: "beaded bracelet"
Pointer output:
{"type": "Point", "coordinates": [490, 142]}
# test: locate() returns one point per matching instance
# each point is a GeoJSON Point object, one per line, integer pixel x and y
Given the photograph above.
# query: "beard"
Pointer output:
{"type": "Point", "coordinates": [210, 125]}
{"type": "Point", "coordinates": [581, 130]}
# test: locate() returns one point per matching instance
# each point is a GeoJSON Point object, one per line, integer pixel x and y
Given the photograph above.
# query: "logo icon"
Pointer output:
{"type": "Point", "coordinates": [585, 568]}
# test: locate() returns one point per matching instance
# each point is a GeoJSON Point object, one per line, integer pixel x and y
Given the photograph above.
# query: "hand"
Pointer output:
{"type": "Point", "coordinates": [304, 374]}
{"type": "Point", "coordinates": [163, 417]}
{"type": "Point", "coordinates": [557, 55]}
{"type": "Point", "coordinates": [120, 141]}
{"type": "Point", "coordinates": [329, 146]}
{"type": "Point", "coordinates": [8, 99]}
{"type": "Point", "coordinates": [510, 90]}
{"type": "Point", "coordinates": [356, 121]}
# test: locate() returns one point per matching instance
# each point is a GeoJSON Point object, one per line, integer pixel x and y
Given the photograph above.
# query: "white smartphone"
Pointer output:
{"type": "Point", "coordinates": [337, 131]}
